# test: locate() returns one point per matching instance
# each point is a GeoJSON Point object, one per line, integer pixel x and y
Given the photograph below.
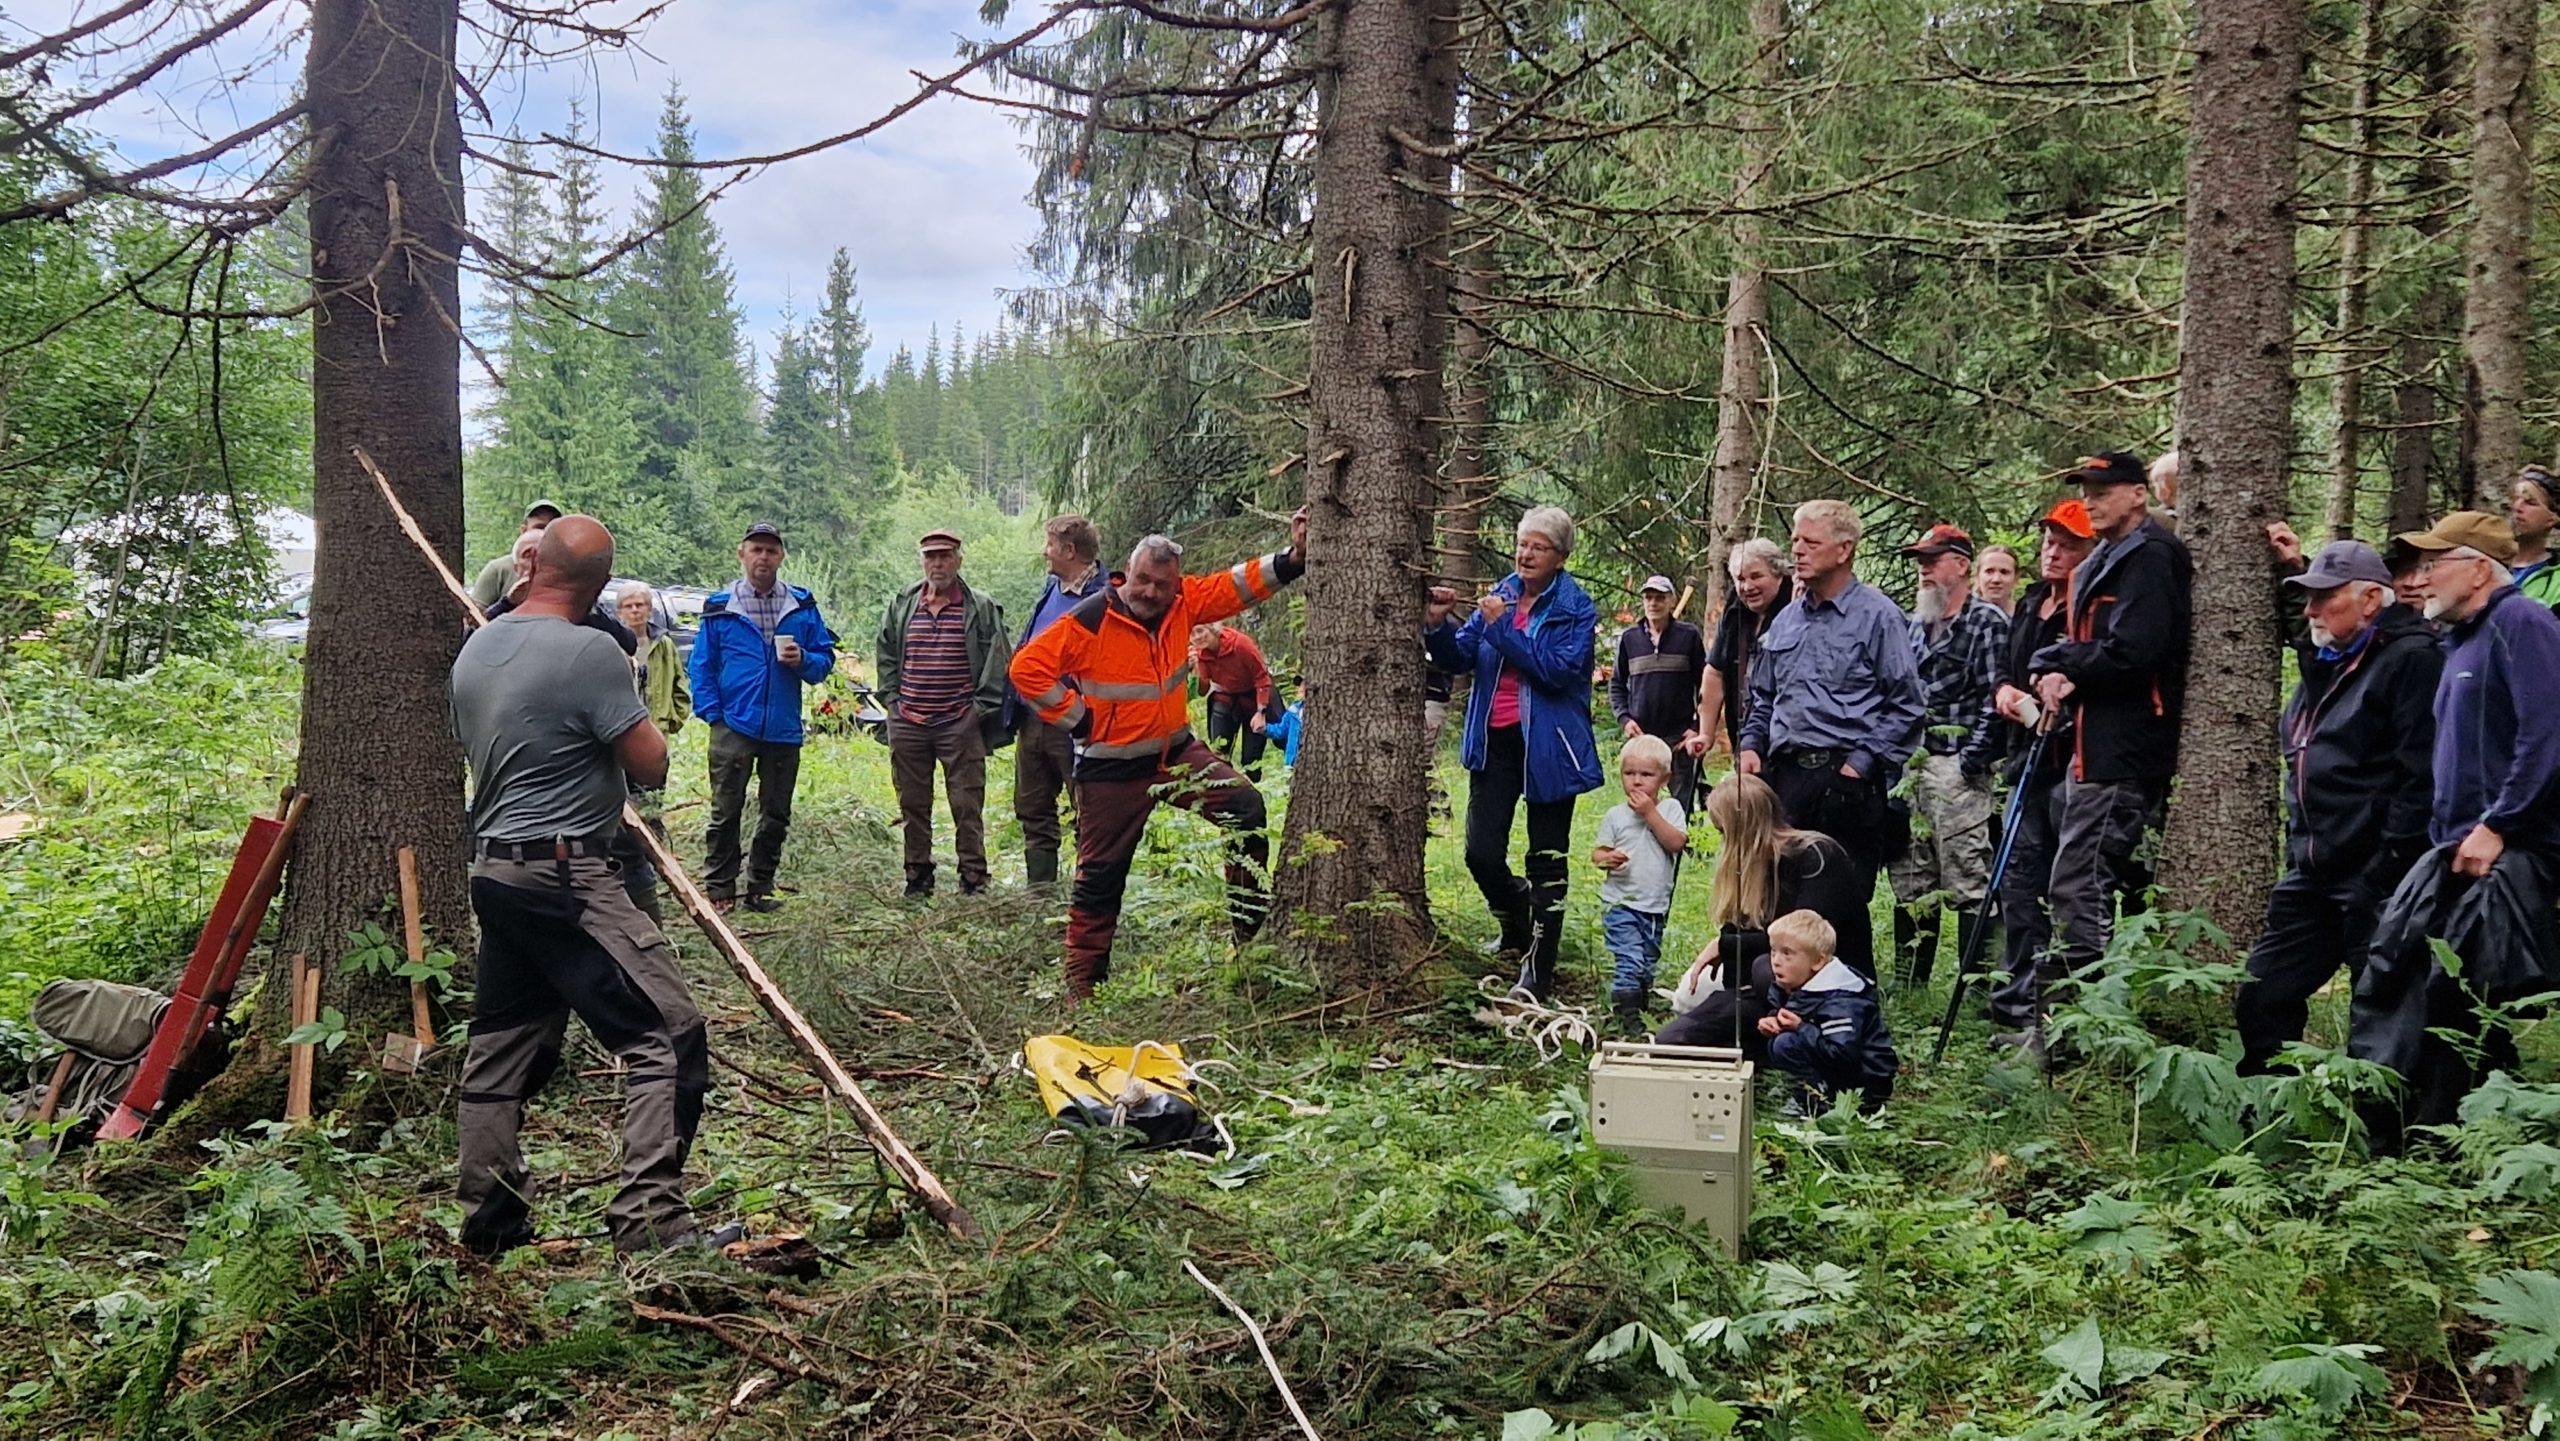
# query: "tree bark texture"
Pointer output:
{"type": "Point", "coordinates": [1350, 889]}
{"type": "Point", "coordinates": [2235, 433]}
{"type": "Point", "coordinates": [378, 759]}
{"type": "Point", "coordinates": [1469, 376]}
{"type": "Point", "coordinates": [1470, 481]}
{"type": "Point", "coordinates": [1742, 390]}
{"type": "Point", "coordinates": [2496, 315]}
{"type": "Point", "coordinates": [2346, 396]}
{"type": "Point", "coordinates": [2427, 336]}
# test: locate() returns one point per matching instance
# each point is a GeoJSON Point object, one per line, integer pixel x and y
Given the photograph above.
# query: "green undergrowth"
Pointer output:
{"type": "Point", "coordinates": [2146, 1246]}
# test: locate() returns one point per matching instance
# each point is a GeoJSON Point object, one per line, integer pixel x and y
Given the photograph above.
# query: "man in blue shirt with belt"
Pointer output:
{"type": "Point", "coordinates": [1836, 702]}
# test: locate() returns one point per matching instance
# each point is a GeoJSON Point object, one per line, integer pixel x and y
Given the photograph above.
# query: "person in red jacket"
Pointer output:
{"type": "Point", "coordinates": [1238, 680]}
{"type": "Point", "coordinates": [1115, 672]}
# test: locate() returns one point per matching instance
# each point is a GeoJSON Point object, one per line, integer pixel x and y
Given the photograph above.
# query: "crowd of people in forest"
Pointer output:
{"type": "Point", "coordinates": [2422, 747]}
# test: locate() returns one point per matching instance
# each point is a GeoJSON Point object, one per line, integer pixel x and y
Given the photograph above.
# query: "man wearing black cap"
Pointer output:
{"type": "Point", "coordinates": [2119, 675]}
{"type": "Point", "coordinates": [494, 578]}
{"type": "Point", "coordinates": [1653, 689]}
{"type": "Point", "coordinates": [942, 655]}
{"type": "Point", "coordinates": [1956, 640]}
{"type": "Point", "coordinates": [760, 642]}
{"type": "Point", "coordinates": [2359, 738]}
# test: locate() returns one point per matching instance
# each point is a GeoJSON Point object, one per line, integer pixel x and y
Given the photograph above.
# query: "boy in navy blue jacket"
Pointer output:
{"type": "Point", "coordinates": [1824, 1026]}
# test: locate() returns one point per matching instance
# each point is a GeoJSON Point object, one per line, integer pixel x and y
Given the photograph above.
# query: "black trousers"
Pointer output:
{"type": "Point", "coordinates": [2026, 925]}
{"type": "Point", "coordinates": [2312, 928]}
{"type": "Point", "coordinates": [775, 767]}
{"type": "Point", "coordinates": [559, 938]}
{"type": "Point", "coordinates": [1850, 811]}
{"type": "Point", "coordinates": [1229, 720]}
{"type": "Point", "coordinates": [1494, 795]}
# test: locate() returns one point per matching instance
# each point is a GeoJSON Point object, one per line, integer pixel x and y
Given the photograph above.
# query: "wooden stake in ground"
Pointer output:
{"type": "Point", "coordinates": [302, 1010]}
{"type": "Point", "coordinates": [401, 1054]}
{"type": "Point", "coordinates": [804, 1037]}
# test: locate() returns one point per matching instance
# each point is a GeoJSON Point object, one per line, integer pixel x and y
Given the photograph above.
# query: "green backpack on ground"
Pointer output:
{"type": "Point", "coordinates": [106, 1026]}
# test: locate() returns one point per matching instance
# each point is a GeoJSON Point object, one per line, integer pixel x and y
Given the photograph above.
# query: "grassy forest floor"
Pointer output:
{"type": "Point", "coordinates": [2144, 1247]}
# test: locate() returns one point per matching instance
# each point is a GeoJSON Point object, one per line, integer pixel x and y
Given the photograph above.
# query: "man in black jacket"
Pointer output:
{"type": "Point", "coordinates": [2359, 738]}
{"type": "Point", "coordinates": [1653, 689]}
{"type": "Point", "coordinates": [2119, 675]}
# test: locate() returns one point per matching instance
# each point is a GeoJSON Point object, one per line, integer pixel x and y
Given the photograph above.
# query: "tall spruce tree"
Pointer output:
{"type": "Point", "coordinates": [685, 377]}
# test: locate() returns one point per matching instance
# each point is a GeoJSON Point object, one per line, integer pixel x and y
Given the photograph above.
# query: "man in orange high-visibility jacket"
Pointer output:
{"type": "Point", "coordinates": [1115, 673]}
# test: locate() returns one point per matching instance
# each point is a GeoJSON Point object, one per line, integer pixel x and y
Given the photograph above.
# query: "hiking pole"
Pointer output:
{"type": "Point", "coordinates": [804, 1037]}
{"type": "Point", "coordinates": [1972, 951]}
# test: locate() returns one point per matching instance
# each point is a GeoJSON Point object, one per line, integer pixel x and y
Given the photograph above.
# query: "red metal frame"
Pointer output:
{"type": "Point", "coordinates": [212, 971]}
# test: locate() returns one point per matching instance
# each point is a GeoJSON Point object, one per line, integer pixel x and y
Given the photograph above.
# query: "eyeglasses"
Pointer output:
{"type": "Point", "coordinates": [1537, 545]}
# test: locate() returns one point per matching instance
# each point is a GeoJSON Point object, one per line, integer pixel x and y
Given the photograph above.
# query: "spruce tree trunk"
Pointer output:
{"type": "Point", "coordinates": [2427, 334]}
{"type": "Point", "coordinates": [2235, 433]}
{"type": "Point", "coordinates": [1469, 376]}
{"type": "Point", "coordinates": [378, 758]}
{"type": "Point", "coordinates": [1350, 890]}
{"type": "Point", "coordinates": [2496, 312]}
{"type": "Point", "coordinates": [1742, 391]}
{"type": "Point", "coordinates": [1470, 484]}
{"type": "Point", "coordinates": [2346, 397]}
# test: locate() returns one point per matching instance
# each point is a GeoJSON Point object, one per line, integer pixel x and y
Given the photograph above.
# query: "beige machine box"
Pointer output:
{"type": "Point", "coordinates": [1682, 1114]}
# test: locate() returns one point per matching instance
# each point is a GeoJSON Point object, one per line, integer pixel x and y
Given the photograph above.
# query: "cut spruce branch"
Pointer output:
{"type": "Point", "coordinates": [804, 1037]}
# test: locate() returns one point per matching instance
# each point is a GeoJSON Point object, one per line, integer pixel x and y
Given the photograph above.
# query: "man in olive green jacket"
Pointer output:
{"type": "Point", "coordinates": [942, 656]}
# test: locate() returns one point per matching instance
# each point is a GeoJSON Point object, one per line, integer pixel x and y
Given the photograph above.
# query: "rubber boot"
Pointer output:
{"type": "Point", "coordinates": [1906, 935]}
{"type": "Point", "coordinates": [1924, 952]}
{"type": "Point", "coordinates": [1519, 924]}
{"type": "Point", "coordinates": [1040, 869]}
{"type": "Point", "coordinates": [1546, 946]}
{"type": "Point", "coordinates": [1970, 941]}
{"type": "Point", "coordinates": [1629, 1006]}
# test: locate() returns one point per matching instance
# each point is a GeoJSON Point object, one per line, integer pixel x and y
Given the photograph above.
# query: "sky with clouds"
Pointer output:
{"type": "Point", "coordinates": [932, 208]}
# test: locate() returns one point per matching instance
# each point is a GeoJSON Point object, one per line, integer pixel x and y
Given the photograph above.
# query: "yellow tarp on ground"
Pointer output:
{"type": "Point", "coordinates": [1069, 1070]}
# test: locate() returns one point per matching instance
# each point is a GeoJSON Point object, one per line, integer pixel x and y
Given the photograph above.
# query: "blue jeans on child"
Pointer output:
{"type": "Point", "coordinates": [1635, 944]}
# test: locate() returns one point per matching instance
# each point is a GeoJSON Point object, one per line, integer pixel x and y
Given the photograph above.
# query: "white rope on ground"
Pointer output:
{"type": "Point", "coordinates": [1270, 1363]}
{"type": "Point", "coordinates": [1522, 1017]}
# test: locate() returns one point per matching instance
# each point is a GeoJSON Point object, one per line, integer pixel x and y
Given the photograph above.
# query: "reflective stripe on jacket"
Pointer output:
{"type": "Point", "coordinates": [1119, 685]}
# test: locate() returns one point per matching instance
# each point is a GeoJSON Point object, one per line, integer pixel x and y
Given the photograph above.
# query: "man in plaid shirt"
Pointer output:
{"type": "Point", "coordinates": [1957, 638]}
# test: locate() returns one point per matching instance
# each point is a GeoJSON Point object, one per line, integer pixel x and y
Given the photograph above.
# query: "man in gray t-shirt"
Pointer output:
{"type": "Point", "coordinates": [538, 703]}
{"type": "Point", "coordinates": [551, 724]}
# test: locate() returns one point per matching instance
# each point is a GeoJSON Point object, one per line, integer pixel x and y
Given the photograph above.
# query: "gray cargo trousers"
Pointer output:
{"type": "Point", "coordinates": [560, 936]}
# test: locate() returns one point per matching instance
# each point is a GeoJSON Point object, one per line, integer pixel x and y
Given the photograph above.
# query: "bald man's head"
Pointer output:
{"type": "Point", "coordinates": [576, 559]}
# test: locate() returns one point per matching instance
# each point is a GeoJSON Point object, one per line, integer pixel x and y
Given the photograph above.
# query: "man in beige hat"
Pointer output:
{"type": "Point", "coordinates": [942, 655]}
{"type": "Point", "coordinates": [2495, 833]}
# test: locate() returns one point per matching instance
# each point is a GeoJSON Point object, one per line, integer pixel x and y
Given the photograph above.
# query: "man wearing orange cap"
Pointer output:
{"type": "Point", "coordinates": [2025, 926]}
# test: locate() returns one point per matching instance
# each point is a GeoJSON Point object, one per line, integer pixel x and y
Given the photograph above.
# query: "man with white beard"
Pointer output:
{"type": "Point", "coordinates": [2359, 738]}
{"type": "Point", "coordinates": [2487, 887]}
{"type": "Point", "coordinates": [1957, 639]}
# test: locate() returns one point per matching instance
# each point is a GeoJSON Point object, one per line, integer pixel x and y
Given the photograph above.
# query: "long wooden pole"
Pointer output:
{"type": "Point", "coordinates": [804, 1037]}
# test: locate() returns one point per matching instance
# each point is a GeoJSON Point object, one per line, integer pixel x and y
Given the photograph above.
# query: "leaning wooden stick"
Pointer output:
{"type": "Point", "coordinates": [804, 1037]}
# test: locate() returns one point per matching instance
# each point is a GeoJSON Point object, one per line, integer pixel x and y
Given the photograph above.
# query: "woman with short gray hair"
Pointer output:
{"type": "Point", "coordinates": [1528, 732]}
{"type": "Point", "coordinates": [1762, 573]}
